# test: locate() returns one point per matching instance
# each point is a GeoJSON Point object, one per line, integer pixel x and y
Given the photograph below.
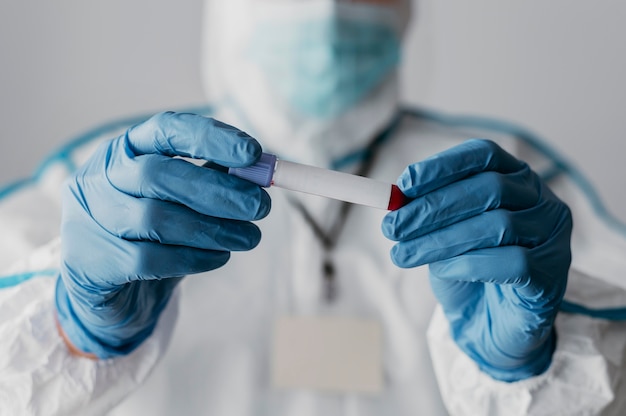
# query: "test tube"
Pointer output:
{"type": "Point", "coordinates": [271, 171]}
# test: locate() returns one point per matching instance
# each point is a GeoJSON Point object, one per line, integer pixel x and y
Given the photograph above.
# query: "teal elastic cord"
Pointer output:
{"type": "Point", "coordinates": [610, 314]}
{"type": "Point", "coordinates": [63, 155]}
{"type": "Point", "coordinates": [16, 279]}
{"type": "Point", "coordinates": [559, 166]}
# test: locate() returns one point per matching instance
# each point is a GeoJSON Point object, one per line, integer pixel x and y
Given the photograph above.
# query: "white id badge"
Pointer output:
{"type": "Point", "coordinates": [327, 353]}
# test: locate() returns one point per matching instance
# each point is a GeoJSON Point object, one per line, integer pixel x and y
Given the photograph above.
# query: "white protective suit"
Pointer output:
{"type": "Point", "coordinates": [217, 362]}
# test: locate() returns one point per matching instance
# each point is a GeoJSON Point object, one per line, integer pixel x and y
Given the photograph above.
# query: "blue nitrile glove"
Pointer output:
{"type": "Point", "coordinates": [136, 219]}
{"type": "Point", "coordinates": [498, 244]}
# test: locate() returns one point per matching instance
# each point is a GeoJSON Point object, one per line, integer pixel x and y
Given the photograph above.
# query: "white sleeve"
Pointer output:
{"type": "Point", "coordinates": [584, 378]}
{"type": "Point", "coordinates": [38, 375]}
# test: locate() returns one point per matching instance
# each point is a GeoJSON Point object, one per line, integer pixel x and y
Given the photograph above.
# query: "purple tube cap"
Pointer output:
{"type": "Point", "coordinates": [260, 173]}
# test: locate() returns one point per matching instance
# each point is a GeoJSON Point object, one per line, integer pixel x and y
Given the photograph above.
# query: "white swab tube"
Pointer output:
{"type": "Point", "coordinates": [270, 170]}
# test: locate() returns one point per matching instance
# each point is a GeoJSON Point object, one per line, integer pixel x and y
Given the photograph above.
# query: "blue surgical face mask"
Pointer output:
{"type": "Point", "coordinates": [322, 66]}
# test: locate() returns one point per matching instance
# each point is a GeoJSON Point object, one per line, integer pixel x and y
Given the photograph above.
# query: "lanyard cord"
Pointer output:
{"type": "Point", "coordinates": [329, 239]}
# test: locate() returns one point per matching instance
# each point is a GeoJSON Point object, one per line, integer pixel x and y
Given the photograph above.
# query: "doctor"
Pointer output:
{"type": "Point", "coordinates": [313, 81]}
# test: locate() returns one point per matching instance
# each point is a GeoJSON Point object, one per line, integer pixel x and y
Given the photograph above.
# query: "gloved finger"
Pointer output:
{"type": "Point", "coordinates": [462, 200]}
{"type": "Point", "coordinates": [113, 261]}
{"type": "Point", "coordinates": [194, 136]}
{"type": "Point", "coordinates": [170, 223]}
{"type": "Point", "coordinates": [502, 265]}
{"type": "Point", "coordinates": [452, 165]}
{"type": "Point", "coordinates": [112, 321]}
{"type": "Point", "coordinates": [204, 190]}
{"type": "Point", "coordinates": [514, 267]}
{"type": "Point", "coordinates": [490, 229]}
{"type": "Point", "coordinates": [146, 260]}
{"type": "Point", "coordinates": [457, 296]}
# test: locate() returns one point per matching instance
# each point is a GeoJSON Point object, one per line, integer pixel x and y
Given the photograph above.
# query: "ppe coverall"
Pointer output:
{"type": "Point", "coordinates": [215, 360]}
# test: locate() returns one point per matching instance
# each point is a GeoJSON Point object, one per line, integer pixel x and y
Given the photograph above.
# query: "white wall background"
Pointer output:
{"type": "Point", "coordinates": [555, 66]}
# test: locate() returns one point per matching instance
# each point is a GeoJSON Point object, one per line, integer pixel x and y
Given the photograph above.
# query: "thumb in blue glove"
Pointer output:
{"type": "Point", "coordinates": [136, 219]}
{"type": "Point", "coordinates": [497, 242]}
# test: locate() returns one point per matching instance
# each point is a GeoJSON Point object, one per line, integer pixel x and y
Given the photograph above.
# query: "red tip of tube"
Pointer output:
{"type": "Point", "coordinates": [397, 199]}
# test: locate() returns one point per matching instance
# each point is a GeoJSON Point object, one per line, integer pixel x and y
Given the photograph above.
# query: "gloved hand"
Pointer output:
{"type": "Point", "coordinates": [498, 244]}
{"type": "Point", "coordinates": [136, 219]}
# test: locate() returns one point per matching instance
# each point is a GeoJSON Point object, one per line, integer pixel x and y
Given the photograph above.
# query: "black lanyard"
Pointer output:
{"type": "Point", "coordinates": [329, 239]}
